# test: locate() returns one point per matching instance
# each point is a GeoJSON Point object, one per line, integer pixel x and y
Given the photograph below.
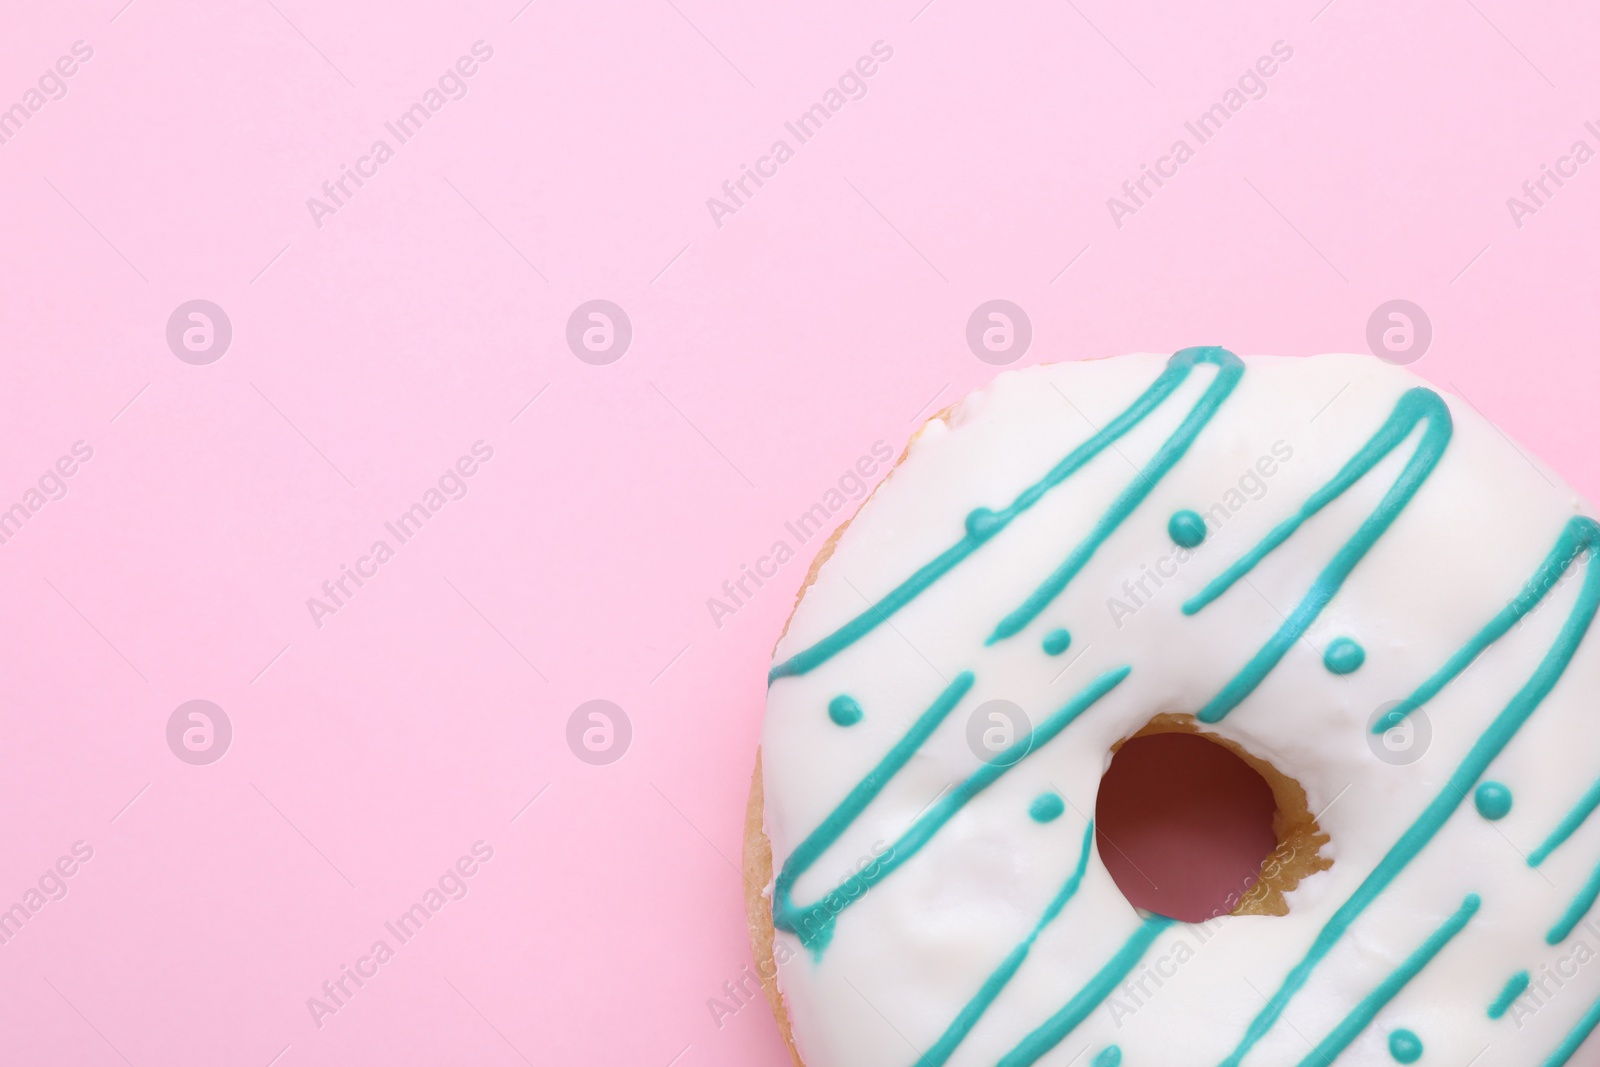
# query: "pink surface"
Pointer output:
{"type": "Point", "coordinates": [1184, 826]}
{"type": "Point", "coordinates": [428, 311]}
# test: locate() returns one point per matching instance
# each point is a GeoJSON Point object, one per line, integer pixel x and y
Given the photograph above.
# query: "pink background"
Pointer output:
{"type": "Point", "coordinates": [768, 355]}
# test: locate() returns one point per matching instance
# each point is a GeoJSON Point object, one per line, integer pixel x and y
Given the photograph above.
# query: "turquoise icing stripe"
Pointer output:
{"type": "Point", "coordinates": [1515, 987]}
{"type": "Point", "coordinates": [1568, 826]}
{"type": "Point", "coordinates": [1229, 370]}
{"type": "Point", "coordinates": [1055, 1029]}
{"type": "Point", "coordinates": [1577, 537]}
{"type": "Point", "coordinates": [1575, 1040]}
{"type": "Point", "coordinates": [1110, 1056]}
{"type": "Point", "coordinates": [1581, 535]}
{"type": "Point", "coordinates": [813, 924]}
{"type": "Point", "coordinates": [784, 914]}
{"type": "Point", "coordinates": [1416, 407]}
{"type": "Point", "coordinates": [1580, 906]}
{"type": "Point", "coordinates": [1363, 1014]}
{"type": "Point", "coordinates": [996, 982]}
{"type": "Point", "coordinates": [983, 524]}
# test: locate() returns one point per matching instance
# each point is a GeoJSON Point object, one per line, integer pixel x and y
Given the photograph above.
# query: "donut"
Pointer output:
{"type": "Point", "coordinates": [1350, 580]}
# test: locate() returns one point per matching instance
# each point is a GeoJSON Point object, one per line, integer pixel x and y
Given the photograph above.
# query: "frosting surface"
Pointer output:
{"type": "Point", "coordinates": [1387, 601]}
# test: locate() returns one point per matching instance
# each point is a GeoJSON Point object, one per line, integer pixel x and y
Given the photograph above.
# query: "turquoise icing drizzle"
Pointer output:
{"type": "Point", "coordinates": [1344, 656]}
{"type": "Point", "coordinates": [813, 924]}
{"type": "Point", "coordinates": [1581, 535]}
{"type": "Point", "coordinates": [1417, 407]}
{"type": "Point", "coordinates": [1493, 801]}
{"type": "Point", "coordinates": [1186, 528]}
{"type": "Point", "coordinates": [1584, 902]}
{"type": "Point", "coordinates": [1405, 1046]}
{"type": "Point", "coordinates": [1568, 826]}
{"type": "Point", "coordinates": [1363, 1014]}
{"type": "Point", "coordinates": [1575, 1040]}
{"type": "Point", "coordinates": [983, 523]}
{"type": "Point", "coordinates": [1515, 987]}
{"type": "Point", "coordinates": [958, 1030]}
{"type": "Point", "coordinates": [820, 923]}
{"type": "Point", "coordinates": [1046, 807]}
{"type": "Point", "coordinates": [1229, 370]}
{"type": "Point", "coordinates": [1581, 905]}
{"type": "Point", "coordinates": [1056, 642]}
{"type": "Point", "coordinates": [1090, 997]}
{"type": "Point", "coordinates": [844, 710]}
{"type": "Point", "coordinates": [1108, 1057]}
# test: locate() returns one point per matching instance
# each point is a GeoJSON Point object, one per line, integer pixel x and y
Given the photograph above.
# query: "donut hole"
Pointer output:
{"type": "Point", "coordinates": [1191, 826]}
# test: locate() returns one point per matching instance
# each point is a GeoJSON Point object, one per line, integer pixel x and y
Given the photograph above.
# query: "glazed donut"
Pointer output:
{"type": "Point", "coordinates": [1351, 580]}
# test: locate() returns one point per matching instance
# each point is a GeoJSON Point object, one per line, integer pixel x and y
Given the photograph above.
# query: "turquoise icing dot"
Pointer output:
{"type": "Point", "coordinates": [1344, 656]}
{"type": "Point", "coordinates": [844, 710]}
{"type": "Point", "coordinates": [1046, 807]}
{"type": "Point", "coordinates": [1056, 642]}
{"type": "Point", "coordinates": [1187, 528]}
{"type": "Point", "coordinates": [981, 522]}
{"type": "Point", "coordinates": [1405, 1046]}
{"type": "Point", "coordinates": [1109, 1057]}
{"type": "Point", "coordinates": [1493, 801]}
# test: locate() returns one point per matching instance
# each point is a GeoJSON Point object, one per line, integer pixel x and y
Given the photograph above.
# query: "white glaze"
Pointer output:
{"type": "Point", "coordinates": [914, 950]}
